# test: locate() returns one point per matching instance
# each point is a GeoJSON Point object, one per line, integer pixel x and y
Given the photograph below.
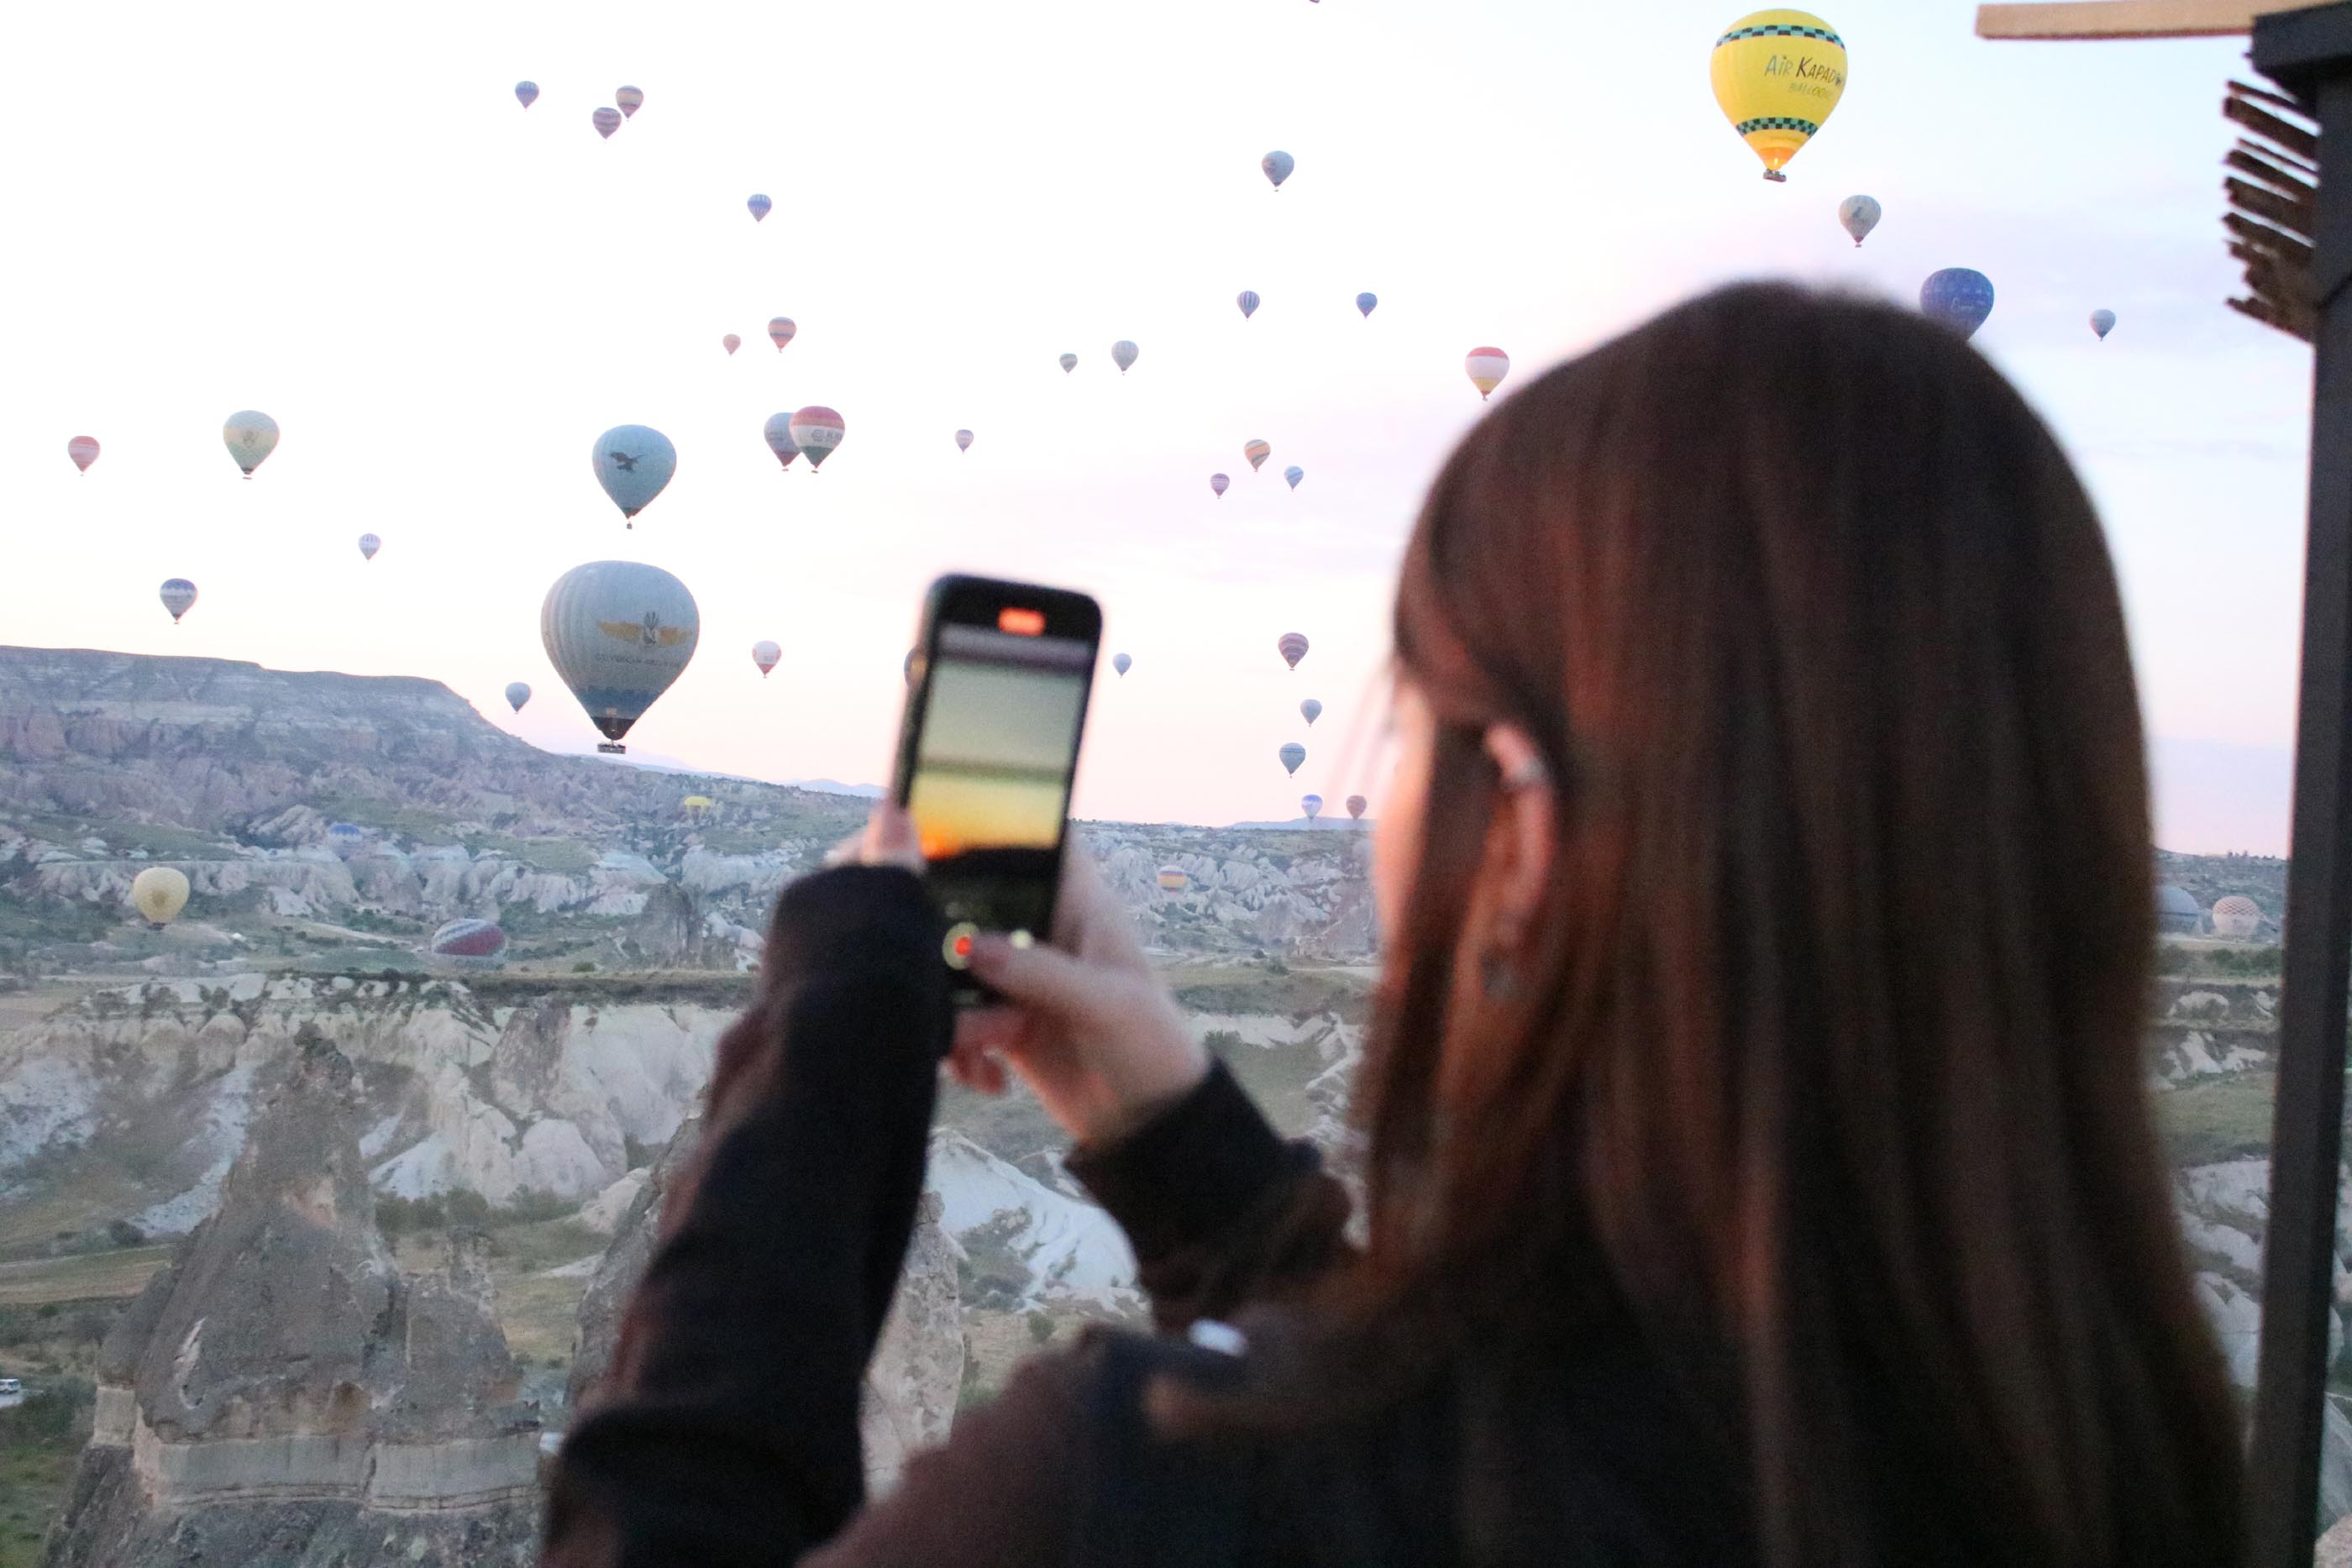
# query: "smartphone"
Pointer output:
{"type": "Point", "coordinates": [997, 702]}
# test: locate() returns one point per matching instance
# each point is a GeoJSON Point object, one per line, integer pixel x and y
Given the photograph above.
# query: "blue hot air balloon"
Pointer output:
{"type": "Point", "coordinates": [1276, 167]}
{"type": "Point", "coordinates": [1292, 756]}
{"type": "Point", "coordinates": [619, 632]}
{"type": "Point", "coordinates": [2103, 322]}
{"type": "Point", "coordinates": [526, 93]}
{"type": "Point", "coordinates": [1121, 663]}
{"type": "Point", "coordinates": [345, 837]}
{"type": "Point", "coordinates": [1247, 300]}
{"type": "Point", "coordinates": [759, 207]}
{"type": "Point", "coordinates": [1312, 805]}
{"type": "Point", "coordinates": [518, 694]}
{"type": "Point", "coordinates": [1959, 296]}
{"type": "Point", "coordinates": [634, 462]}
{"type": "Point", "coordinates": [1364, 302]}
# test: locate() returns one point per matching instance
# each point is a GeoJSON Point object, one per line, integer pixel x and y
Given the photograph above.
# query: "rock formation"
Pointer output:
{"type": "Point", "coordinates": [911, 1386]}
{"type": "Point", "coordinates": [283, 1394]}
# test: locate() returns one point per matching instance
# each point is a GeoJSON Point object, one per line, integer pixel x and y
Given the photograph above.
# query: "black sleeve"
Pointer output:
{"type": "Point", "coordinates": [1220, 1211]}
{"type": "Point", "coordinates": [726, 1429]}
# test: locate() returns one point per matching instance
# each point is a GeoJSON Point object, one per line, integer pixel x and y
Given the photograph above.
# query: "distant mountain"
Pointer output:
{"type": "Point", "coordinates": [835, 787]}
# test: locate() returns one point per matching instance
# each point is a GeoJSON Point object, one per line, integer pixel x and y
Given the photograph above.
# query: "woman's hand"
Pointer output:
{"type": "Point", "coordinates": [1089, 1023]}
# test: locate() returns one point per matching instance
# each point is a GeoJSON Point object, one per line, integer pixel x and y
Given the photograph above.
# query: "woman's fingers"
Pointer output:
{"type": "Point", "coordinates": [1044, 980]}
{"type": "Point", "coordinates": [890, 838]}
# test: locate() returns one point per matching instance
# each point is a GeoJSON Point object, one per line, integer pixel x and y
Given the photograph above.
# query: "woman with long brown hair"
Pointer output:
{"type": "Point", "coordinates": [1758, 1163]}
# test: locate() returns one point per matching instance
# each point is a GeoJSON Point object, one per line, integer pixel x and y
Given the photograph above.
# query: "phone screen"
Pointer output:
{"type": "Point", "coordinates": [989, 785]}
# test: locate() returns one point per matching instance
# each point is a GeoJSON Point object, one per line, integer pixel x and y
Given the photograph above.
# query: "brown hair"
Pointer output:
{"type": "Point", "coordinates": [1827, 1039]}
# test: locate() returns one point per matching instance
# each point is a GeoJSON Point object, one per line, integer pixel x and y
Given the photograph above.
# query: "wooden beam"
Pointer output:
{"type": "Point", "coordinates": [2126, 19]}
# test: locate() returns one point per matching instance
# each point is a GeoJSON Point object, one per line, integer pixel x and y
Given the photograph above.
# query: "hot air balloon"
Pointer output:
{"type": "Point", "coordinates": [1278, 167]}
{"type": "Point", "coordinates": [251, 437]}
{"type": "Point", "coordinates": [781, 330]}
{"type": "Point", "coordinates": [518, 694]}
{"type": "Point", "coordinates": [178, 594]}
{"type": "Point", "coordinates": [1257, 452]}
{"type": "Point", "coordinates": [159, 893]}
{"type": "Point", "coordinates": [527, 93]}
{"type": "Point", "coordinates": [1364, 302]}
{"type": "Point", "coordinates": [630, 99]}
{"type": "Point", "coordinates": [1356, 804]}
{"type": "Point", "coordinates": [963, 441]}
{"type": "Point", "coordinates": [730, 342]}
{"type": "Point", "coordinates": [83, 450]}
{"type": "Point", "coordinates": [1247, 300]}
{"type": "Point", "coordinates": [369, 545]}
{"type": "Point", "coordinates": [1486, 368]}
{"type": "Point", "coordinates": [2103, 322]}
{"type": "Point", "coordinates": [818, 430]}
{"type": "Point", "coordinates": [760, 206]}
{"type": "Point", "coordinates": [345, 837]}
{"type": "Point", "coordinates": [779, 434]}
{"type": "Point", "coordinates": [1218, 482]}
{"type": "Point", "coordinates": [1293, 475]}
{"type": "Point", "coordinates": [2237, 917]}
{"type": "Point", "coordinates": [619, 632]}
{"type": "Point", "coordinates": [1069, 363]}
{"type": "Point", "coordinates": [1292, 755]}
{"type": "Point", "coordinates": [468, 944]}
{"type": "Point", "coordinates": [1292, 647]}
{"type": "Point", "coordinates": [607, 120]}
{"type": "Point", "coordinates": [1312, 805]}
{"type": "Point", "coordinates": [1121, 663]}
{"type": "Point", "coordinates": [1312, 710]}
{"type": "Point", "coordinates": [765, 653]}
{"type": "Point", "coordinates": [1172, 879]}
{"type": "Point", "coordinates": [1122, 354]}
{"type": "Point", "coordinates": [1959, 296]}
{"type": "Point", "coordinates": [1858, 215]}
{"type": "Point", "coordinates": [633, 462]}
{"type": "Point", "coordinates": [1777, 76]}
{"type": "Point", "coordinates": [696, 807]}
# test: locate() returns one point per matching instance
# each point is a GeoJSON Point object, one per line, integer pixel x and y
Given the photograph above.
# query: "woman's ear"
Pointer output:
{"type": "Point", "coordinates": [1519, 847]}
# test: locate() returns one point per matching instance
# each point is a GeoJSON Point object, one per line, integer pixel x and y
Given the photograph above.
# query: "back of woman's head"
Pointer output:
{"type": "Point", "coordinates": [1826, 1037]}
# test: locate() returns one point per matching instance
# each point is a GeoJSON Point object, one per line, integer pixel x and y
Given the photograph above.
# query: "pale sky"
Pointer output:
{"type": "Point", "coordinates": [341, 217]}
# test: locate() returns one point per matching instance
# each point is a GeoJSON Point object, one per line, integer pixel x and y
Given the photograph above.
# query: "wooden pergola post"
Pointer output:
{"type": "Point", "coordinates": [2307, 52]}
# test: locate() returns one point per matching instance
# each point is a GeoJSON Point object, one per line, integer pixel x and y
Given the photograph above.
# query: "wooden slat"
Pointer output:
{"type": "Point", "coordinates": [2296, 190]}
{"type": "Point", "coordinates": [2262, 122]}
{"type": "Point", "coordinates": [2272, 207]}
{"type": "Point", "coordinates": [2126, 19]}
{"type": "Point", "coordinates": [2308, 172]}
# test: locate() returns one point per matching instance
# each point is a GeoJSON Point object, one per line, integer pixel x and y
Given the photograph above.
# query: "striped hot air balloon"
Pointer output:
{"type": "Point", "coordinates": [251, 437]}
{"type": "Point", "coordinates": [1292, 647]}
{"type": "Point", "coordinates": [1247, 300]}
{"type": "Point", "coordinates": [630, 99]}
{"type": "Point", "coordinates": [1356, 805]}
{"type": "Point", "coordinates": [1257, 452]}
{"type": "Point", "coordinates": [468, 944]}
{"type": "Point", "coordinates": [527, 93]}
{"type": "Point", "coordinates": [607, 119]}
{"type": "Point", "coordinates": [1218, 482]}
{"type": "Point", "coordinates": [1293, 475]}
{"type": "Point", "coordinates": [369, 545]}
{"type": "Point", "coordinates": [1486, 368]}
{"type": "Point", "coordinates": [343, 837]}
{"type": "Point", "coordinates": [777, 433]}
{"type": "Point", "coordinates": [761, 207]}
{"type": "Point", "coordinates": [633, 462]}
{"type": "Point", "coordinates": [83, 450]}
{"type": "Point", "coordinates": [818, 430]}
{"type": "Point", "coordinates": [765, 653]}
{"type": "Point", "coordinates": [518, 694]}
{"type": "Point", "coordinates": [1292, 755]}
{"type": "Point", "coordinates": [780, 331]}
{"type": "Point", "coordinates": [619, 632]}
{"type": "Point", "coordinates": [178, 594]}
{"type": "Point", "coordinates": [1172, 879]}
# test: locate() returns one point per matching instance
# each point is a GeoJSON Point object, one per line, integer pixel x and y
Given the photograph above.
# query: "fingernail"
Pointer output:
{"type": "Point", "coordinates": [988, 950]}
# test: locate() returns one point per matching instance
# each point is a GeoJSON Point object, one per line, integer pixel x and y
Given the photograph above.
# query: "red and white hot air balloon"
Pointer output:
{"type": "Point", "coordinates": [1486, 368]}
{"type": "Point", "coordinates": [765, 653]}
{"type": "Point", "coordinates": [83, 450]}
{"type": "Point", "coordinates": [817, 430]}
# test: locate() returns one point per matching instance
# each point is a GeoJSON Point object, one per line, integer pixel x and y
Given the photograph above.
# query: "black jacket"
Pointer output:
{"type": "Point", "coordinates": [727, 1430]}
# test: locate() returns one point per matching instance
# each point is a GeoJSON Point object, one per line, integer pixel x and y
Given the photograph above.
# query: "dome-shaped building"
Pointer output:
{"type": "Point", "coordinates": [2237, 917]}
{"type": "Point", "coordinates": [2177, 912]}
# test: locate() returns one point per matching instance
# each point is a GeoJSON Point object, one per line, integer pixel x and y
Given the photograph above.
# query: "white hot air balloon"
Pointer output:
{"type": "Point", "coordinates": [765, 653]}
{"type": "Point", "coordinates": [619, 632]}
{"type": "Point", "coordinates": [1486, 368]}
{"type": "Point", "coordinates": [1858, 215]}
{"type": "Point", "coordinates": [1122, 354]}
{"type": "Point", "coordinates": [369, 545]}
{"type": "Point", "coordinates": [251, 437]}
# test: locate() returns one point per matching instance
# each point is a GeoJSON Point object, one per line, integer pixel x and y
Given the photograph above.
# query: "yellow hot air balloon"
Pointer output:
{"type": "Point", "coordinates": [1777, 76]}
{"type": "Point", "coordinates": [159, 893]}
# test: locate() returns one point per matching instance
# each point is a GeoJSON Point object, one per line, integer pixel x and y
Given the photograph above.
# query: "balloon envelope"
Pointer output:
{"type": "Point", "coordinates": [630, 99]}
{"type": "Point", "coordinates": [1172, 879]}
{"type": "Point", "coordinates": [1257, 452]}
{"type": "Point", "coordinates": [251, 437]}
{"type": "Point", "coordinates": [1292, 647]}
{"type": "Point", "coordinates": [1486, 368]}
{"type": "Point", "coordinates": [1777, 76]}
{"type": "Point", "coordinates": [1356, 804]}
{"type": "Point", "coordinates": [518, 694]}
{"type": "Point", "coordinates": [527, 93]}
{"type": "Point", "coordinates": [1312, 710]}
{"type": "Point", "coordinates": [1247, 300]}
{"type": "Point", "coordinates": [2103, 322]}
{"type": "Point", "coordinates": [779, 434]}
{"type": "Point", "coordinates": [1293, 475]}
{"type": "Point", "coordinates": [730, 342]}
{"type": "Point", "coordinates": [1312, 805]}
{"type": "Point", "coordinates": [369, 545]}
{"type": "Point", "coordinates": [83, 450]}
{"type": "Point", "coordinates": [1858, 215]}
{"type": "Point", "coordinates": [607, 119]}
{"type": "Point", "coordinates": [468, 944]}
{"type": "Point", "coordinates": [781, 330]}
{"type": "Point", "coordinates": [1122, 354]}
{"type": "Point", "coordinates": [818, 430]}
{"type": "Point", "coordinates": [1364, 302]}
{"type": "Point", "coordinates": [963, 441]}
{"type": "Point", "coordinates": [1069, 363]}
{"type": "Point", "coordinates": [159, 893]}
{"type": "Point", "coordinates": [1292, 756]}
{"type": "Point", "coordinates": [178, 593]}
{"type": "Point", "coordinates": [1278, 167]}
{"type": "Point", "coordinates": [1959, 296]}
{"type": "Point", "coordinates": [761, 207]}
{"type": "Point", "coordinates": [619, 632]}
{"type": "Point", "coordinates": [633, 462]}
{"type": "Point", "coordinates": [765, 653]}
{"type": "Point", "coordinates": [1121, 663]}
{"type": "Point", "coordinates": [1218, 482]}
